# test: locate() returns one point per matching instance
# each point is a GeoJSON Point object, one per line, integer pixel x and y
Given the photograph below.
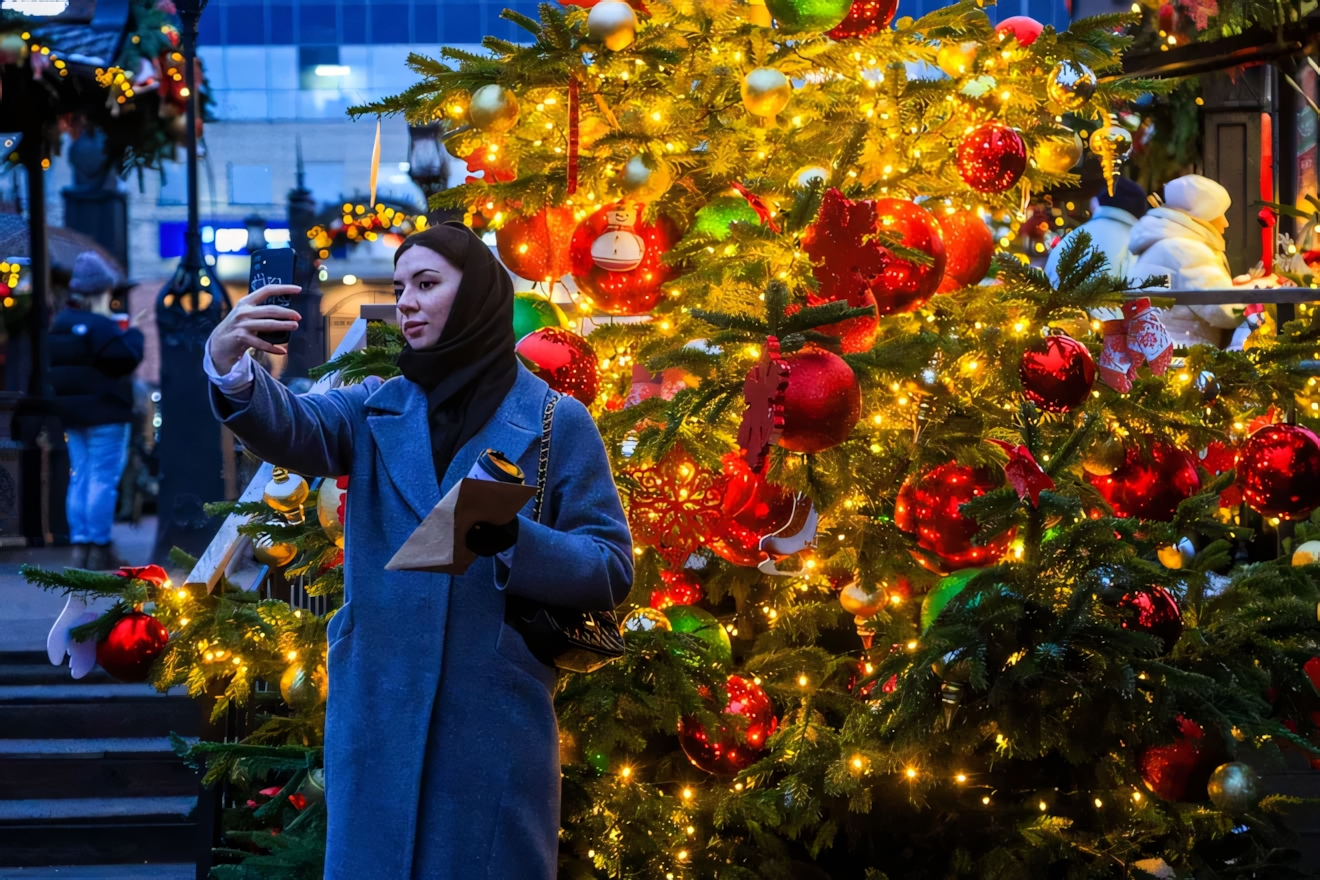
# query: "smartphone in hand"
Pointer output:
{"type": "Point", "coordinates": [277, 266]}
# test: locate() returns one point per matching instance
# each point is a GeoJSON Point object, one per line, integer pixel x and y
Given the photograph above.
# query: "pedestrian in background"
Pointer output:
{"type": "Point", "coordinates": [92, 359]}
{"type": "Point", "coordinates": [1110, 227]}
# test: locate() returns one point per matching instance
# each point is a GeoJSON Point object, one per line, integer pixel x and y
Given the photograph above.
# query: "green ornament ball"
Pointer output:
{"type": "Point", "coordinates": [714, 219]}
{"type": "Point", "coordinates": [798, 16]}
{"type": "Point", "coordinates": [943, 593]}
{"type": "Point", "coordinates": [532, 312]}
{"type": "Point", "coordinates": [701, 623]}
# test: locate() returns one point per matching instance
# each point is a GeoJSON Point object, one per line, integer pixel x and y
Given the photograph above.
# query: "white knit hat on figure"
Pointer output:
{"type": "Point", "coordinates": [1199, 196]}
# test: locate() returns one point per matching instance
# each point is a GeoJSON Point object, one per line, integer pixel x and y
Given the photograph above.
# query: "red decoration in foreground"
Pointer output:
{"type": "Point", "coordinates": [733, 745]}
{"type": "Point", "coordinates": [674, 505]}
{"type": "Point", "coordinates": [1278, 470]}
{"type": "Point", "coordinates": [1021, 27]}
{"type": "Point", "coordinates": [535, 247]}
{"type": "Point", "coordinates": [992, 158]}
{"type": "Point", "coordinates": [679, 589]}
{"type": "Point", "coordinates": [1181, 770]}
{"type": "Point", "coordinates": [1155, 612]}
{"type": "Point", "coordinates": [1057, 373]}
{"type": "Point", "coordinates": [635, 291]}
{"type": "Point", "coordinates": [752, 509]}
{"type": "Point", "coordinates": [1149, 485]}
{"type": "Point", "coordinates": [969, 247]}
{"type": "Point", "coordinates": [865, 17]}
{"type": "Point", "coordinates": [134, 643]}
{"type": "Point", "coordinates": [930, 507]}
{"type": "Point", "coordinates": [1024, 473]}
{"type": "Point", "coordinates": [822, 402]}
{"type": "Point", "coordinates": [758, 205]}
{"type": "Point", "coordinates": [566, 362]}
{"type": "Point", "coordinates": [763, 393]}
{"type": "Point", "coordinates": [153, 574]}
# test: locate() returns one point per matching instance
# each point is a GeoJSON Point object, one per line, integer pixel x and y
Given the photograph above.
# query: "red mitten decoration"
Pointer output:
{"type": "Point", "coordinates": [1147, 340]}
{"type": "Point", "coordinates": [1116, 368]}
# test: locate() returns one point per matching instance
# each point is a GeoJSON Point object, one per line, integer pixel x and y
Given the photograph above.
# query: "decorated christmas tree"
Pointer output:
{"type": "Point", "coordinates": [942, 570]}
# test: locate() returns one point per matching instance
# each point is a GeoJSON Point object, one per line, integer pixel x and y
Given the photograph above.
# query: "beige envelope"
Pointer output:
{"type": "Point", "coordinates": [438, 543]}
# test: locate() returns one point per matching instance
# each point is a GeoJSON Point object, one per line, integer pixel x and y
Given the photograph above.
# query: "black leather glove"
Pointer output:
{"type": "Point", "coordinates": [487, 539]}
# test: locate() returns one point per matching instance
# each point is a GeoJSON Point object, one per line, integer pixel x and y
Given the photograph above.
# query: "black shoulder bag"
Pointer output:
{"type": "Point", "coordinates": [578, 641]}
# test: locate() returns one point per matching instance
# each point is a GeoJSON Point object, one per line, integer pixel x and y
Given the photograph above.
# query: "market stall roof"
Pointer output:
{"type": "Point", "coordinates": [91, 41]}
{"type": "Point", "coordinates": [1256, 46]}
{"type": "Point", "coordinates": [64, 245]}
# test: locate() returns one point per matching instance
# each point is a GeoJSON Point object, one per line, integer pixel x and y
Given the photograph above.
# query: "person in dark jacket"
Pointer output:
{"type": "Point", "coordinates": [92, 360]}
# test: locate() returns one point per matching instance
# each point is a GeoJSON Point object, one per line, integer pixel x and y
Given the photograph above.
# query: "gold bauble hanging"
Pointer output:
{"type": "Point", "coordinates": [285, 494]}
{"type": "Point", "coordinates": [646, 619]}
{"type": "Point", "coordinates": [493, 109]}
{"type": "Point", "coordinates": [269, 553]}
{"type": "Point", "coordinates": [957, 59]}
{"type": "Point", "coordinates": [644, 183]}
{"type": "Point", "coordinates": [300, 689]}
{"type": "Point", "coordinates": [765, 92]}
{"type": "Point", "coordinates": [613, 23]}
{"type": "Point", "coordinates": [1177, 555]}
{"type": "Point", "coordinates": [1112, 143]}
{"type": "Point", "coordinates": [1058, 156]}
{"type": "Point", "coordinates": [1307, 553]}
{"type": "Point", "coordinates": [858, 601]}
{"type": "Point", "coordinates": [1070, 85]}
{"type": "Point", "coordinates": [1104, 456]}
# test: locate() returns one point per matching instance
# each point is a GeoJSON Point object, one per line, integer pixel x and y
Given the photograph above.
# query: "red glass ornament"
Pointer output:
{"type": "Point", "coordinates": [1021, 27]}
{"type": "Point", "coordinates": [822, 401]}
{"type": "Point", "coordinates": [1181, 770]}
{"type": "Point", "coordinates": [134, 643]}
{"type": "Point", "coordinates": [674, 505]}
{"type": "Point", "coordinates": [1155, 612]}
{"type": "Point", "coordinates": [1057, 373]}
{"type": "Point", "coordinates": [929, 507]}
{"type": "Point", "coordinates": [1149, 485]}
{"type": "Point", "coordinates": [969, 247]}
{"type": "Point", "coordinates": [1278, 470]}
{"type": "Point", "coordinates": [679, 589]}
{"type": "Point", "coordinates": [633, 292]}
{"type": "Point", "coordinates": [752, 509]}
{"type": "Point", "coordinates": [865, 17]}
{"type": "Point", "coordinates": [852, 265]}
{"type": "Point", "coordinates": [992, 158]}
{"type": "Point", "coordinates": [564, 360]}
{"type": "Point", "coordinates": [536, 247]}
{"type": "Point", "coordinates": [733, 746]}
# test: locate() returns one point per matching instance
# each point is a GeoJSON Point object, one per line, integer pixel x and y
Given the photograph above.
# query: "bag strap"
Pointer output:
{"type": "Point", "coordinates": [543, 463]}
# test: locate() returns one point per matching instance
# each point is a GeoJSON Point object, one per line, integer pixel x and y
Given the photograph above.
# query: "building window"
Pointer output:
{"type": "Point", "coordinates": [250, 185]}
{"type": "Point", "coordinates": [325, 181]}
{"type": "Point", "coordinates": [173, 184]}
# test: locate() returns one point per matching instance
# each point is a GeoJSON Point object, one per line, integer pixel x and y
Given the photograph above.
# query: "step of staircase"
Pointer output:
{"type": "Point", "coordinates": [90, 786]}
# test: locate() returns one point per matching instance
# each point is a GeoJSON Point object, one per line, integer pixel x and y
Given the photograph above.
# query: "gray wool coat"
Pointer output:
{"type": "Point", "coordinates": [442, 755]}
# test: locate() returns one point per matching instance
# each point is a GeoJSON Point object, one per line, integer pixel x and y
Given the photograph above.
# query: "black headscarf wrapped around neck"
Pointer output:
{"type": "Point", "coordinates": [471, 367]}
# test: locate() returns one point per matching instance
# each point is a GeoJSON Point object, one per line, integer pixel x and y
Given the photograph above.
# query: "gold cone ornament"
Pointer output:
{"type": "Point", "coordinates": [765, 92]}
{"type": "Point", "coordinates": [285, 494]}
{"type": "Point", "coordinates": [328, 499]}
{"type": "Point", "coordinates": [493, 109]}
{"type": "Point", "coordinates": [1113, 144]}
{"type": "Point", "coordinates": [613, 23]}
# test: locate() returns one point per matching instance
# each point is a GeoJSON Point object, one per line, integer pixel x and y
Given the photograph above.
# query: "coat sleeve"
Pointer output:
{"type": "Point", "coordinates": [311, 434]}
{"type": "Point", "coordinates": [118, 354]}
{"type": "Point", "coordinates": [580, 556]}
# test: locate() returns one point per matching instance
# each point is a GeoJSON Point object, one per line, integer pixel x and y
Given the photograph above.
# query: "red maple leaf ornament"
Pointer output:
{"type": "Point", "coordinates": [1024, 473]}
{"type": "Point", "coordinates": [763, 419]}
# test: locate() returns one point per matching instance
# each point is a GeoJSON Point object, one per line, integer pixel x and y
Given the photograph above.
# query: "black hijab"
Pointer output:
{"type": "Point", "coordinates": [469, 370]}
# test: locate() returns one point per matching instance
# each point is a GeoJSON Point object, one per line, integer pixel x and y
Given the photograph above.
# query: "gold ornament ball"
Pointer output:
{"type": "Point", "coordinates": [809, 174]}
{"type": "Point", "coordinates": [643, 183]}
{"type": "Point", "coordinates": [1234, 787]}
{"type": "Point", "coordinates": [299, 689]}
{"type": "Point", "coordinates": [327, 511]}
{"type": "Point", "coordinates": [1059, 156]}
{"type": "Point", "coordinates": [1307, 553]}
{"type": "Point", "coordinates": [285, 494]}
{"type": "Point", "coordinates": [613, 23]}
{"type": "Point", "coordinates": [857, 600]}
{"type": "Point", "coordinates": [1070, 85]}
{"type": "Point", "coordinates": [1177, 555]}
{"type": "Point", "coordinates": [646, 620]}
{"type": "Point", "coordinates": [765, 92]}
{"type": "Point", "coordinates": [275, 555]}
{"type": "Point", "coordinates": [493, 109]}
{"type": "Point", "coordinates": [957, 59]}
{"type": "Point", "coordinates": [1104, 456]}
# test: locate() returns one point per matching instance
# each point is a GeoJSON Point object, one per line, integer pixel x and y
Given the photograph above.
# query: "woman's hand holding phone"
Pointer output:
{"type": "Point", "coordinates": [250, 317]}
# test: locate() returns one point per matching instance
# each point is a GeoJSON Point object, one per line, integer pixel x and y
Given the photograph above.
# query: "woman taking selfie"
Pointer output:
{"type": "Point", "coordinates": [442, 754]}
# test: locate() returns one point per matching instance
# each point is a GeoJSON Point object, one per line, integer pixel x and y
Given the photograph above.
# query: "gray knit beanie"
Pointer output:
{"type": "Point", "coordinates": [92, 274]}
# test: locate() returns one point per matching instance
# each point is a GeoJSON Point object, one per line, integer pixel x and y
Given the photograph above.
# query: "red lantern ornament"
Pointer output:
{"type": "Point", "coordinates": [968, 249]}
{"type": "Point", "coordinates": [674, 505]}
{"type": "Point", "coordinates": [679, 590]}
{"type": "Point", "coordinates": [930, 508]}
{"type": "Point", "coordinates": [735, 745]}
{"type": "Point", "coordinates": [1181, 770]}
{"type": "Point", "coordinates": [1149, 484]}
{"type": "Point", "coordinates": [1155, 612]}
{"type": "Point", "coordinates": [632, 292]}
{"type": "Point", "coordinates": [1057, 373]}
{"type": "Point", "coordinates": [752, 509]}
{"type": "Point", "coordinates": [134, 643]}
{"type": "Point", "coordinates": [851, 263]}
{"type": "Point", "coordinates": [536, 247]}
{"type": "Point", "coordinates": [1278, 470]}
{"type": "Point", "coordinates": [822, 401]}
{"type": "Point", "coordinates": [992, 158]}
{"type": "Point", "coordinates": [566, 362]}
{"type": "Point", "coordinates": [865, 17]}
{"type": "Point", "coordinates": [1022, 28]}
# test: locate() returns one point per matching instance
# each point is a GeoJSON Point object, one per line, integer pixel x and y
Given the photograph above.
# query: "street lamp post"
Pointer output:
{"type": "Point", "coordinates": [428, 165]}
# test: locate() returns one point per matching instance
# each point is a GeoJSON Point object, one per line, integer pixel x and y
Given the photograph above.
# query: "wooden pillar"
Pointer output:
{"type": "Point", "coordinates": [1232, 152]}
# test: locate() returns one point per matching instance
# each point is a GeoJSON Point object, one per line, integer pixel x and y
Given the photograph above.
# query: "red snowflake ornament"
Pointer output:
{"type": "Point", "coordinates": [763, 419]}
{"type": "Point", "coordinates": [674, 504]}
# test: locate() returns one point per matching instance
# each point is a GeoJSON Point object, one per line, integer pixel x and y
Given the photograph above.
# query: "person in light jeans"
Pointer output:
{"type": "Point", "coordinates": [92, 360]}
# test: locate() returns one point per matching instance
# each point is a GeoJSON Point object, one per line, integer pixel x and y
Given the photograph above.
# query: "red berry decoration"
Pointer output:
{"type": "Point", "coordinates": [635, 291]}
{"type": "Point", "coordinates": [1155, 612]}
{"type": "Point", "coordinates": [930, 508]}
{"type": "Point", "coordinates": [1181, 770]}
{"type": "Point", "coordinates": [968, 249]}
{"type": "Point", "coordinates": [992, 158]}
{"type": "Point", "coordinates": [564, 360]}
{"type": "Point", "coordinates": [679, 589]}
{"type": "Point", "coordinates": [822, 401]}
{"type": "Point", "coordinates": [1021, 27]}
{"type": "Point", "coordinates": [1057, 373]}
{"type": "Point", "coordinates": [735, 745]}
{"type": "Point", "coordinates": [536, 247]}
{"type": "Point", "coordinates": [1278, 470]}
{"type": "Point", "coordinates": [865, 17]}
{"type": "Point", "coordinates": [753, 508]}
{"type": "Point", "coordinates": [851, 263]}
{"type": "Point", "coordinates": [134, 643]}
{"type": "Point", "coordinates": [1149, 484]}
